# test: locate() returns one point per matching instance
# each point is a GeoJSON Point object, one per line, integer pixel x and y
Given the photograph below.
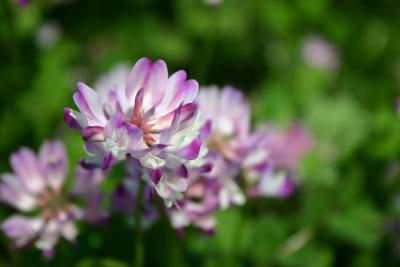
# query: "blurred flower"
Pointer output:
{"type": "Point", "coordinates": [22, 3]}
{"type": "Point", "coordinates": [228, 123]}
{"type": "Point", "coordinates": [48, 34]}
{"type": "Point", "coordinates": [287, 146]}
{"type": "Point", "coordinates": [213, 2]}
{"type": "Point", "coordinates": [231, 149]}
{"type": "Point", "coordinates": [87, 186]}
{"type": "Point", "coordinates": [319, 53]}
{"type": "Point", "coordinates": [285, 149]}
{"type": "Point", "coordinates": [35, 187]}
{"type": "Point", "coordinates": [197, 208]}
{"type": "Point", "coordinates": [150, 117]}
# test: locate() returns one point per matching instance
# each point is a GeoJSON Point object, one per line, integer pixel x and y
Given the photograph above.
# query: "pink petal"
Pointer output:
{"type": "Point", "coordinates": [89, 103]}
{"type": "Point", "coordinates": [137, 77]}
{"type": "Point", "coordinates": [179, 91]}
{"type": "Point", "coordinates": [27, 167]}
{"type": "Point", "coordinates": [74, 119]}
{"type": "Point", "coordinates": [191, 151]}
{"type": "Point", "coordinates": [53, 156]}
{"type": "Point", "coordinates": [155, 85]}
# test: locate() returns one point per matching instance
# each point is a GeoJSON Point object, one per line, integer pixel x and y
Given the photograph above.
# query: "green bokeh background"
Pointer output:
{"type": "Point", "coordinates": [346, 212]}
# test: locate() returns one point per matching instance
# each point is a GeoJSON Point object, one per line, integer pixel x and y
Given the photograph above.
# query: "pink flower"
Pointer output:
{"type": "Point", "coordinates": [150, 117]}
{"type": "Point", "coordinates": [198, 206]}
{"type": "Point", "coordinates": [228, 115]}
{"type": "Point", "coordinates": [22, 3]}
{"type": "Point", "coordinates": [86, 186]}
{"type": "Point", "coordinates": [286, 147]}
{"type": "Point", "coordinates": [320, 53]}
{"type": "Point", "coordinates": [35, 187]}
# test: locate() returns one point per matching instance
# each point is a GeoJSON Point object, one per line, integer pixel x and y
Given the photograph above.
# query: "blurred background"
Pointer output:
{"type": "Point", "coordinates": [332, 65]}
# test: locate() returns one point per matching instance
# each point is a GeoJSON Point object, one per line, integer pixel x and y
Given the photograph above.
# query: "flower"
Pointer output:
{"type": "Point", "coordinates": [286, 147]}
{"type": "Point", "coordinates": [197, 207]}
{"type": "Point", "coordinates": [48, 35]}
{"type": "Point", "coordinates": [148, 116]}
{"type": "Point", "coordinates": [86, 186]}
{"type": "Point", "coordinates": [319, 53]}
{"type": "Point", "coordinates": [213, 2]}
{"type": "Point", "coordinates": [22, 3]}
{"type": "Point", "coordinates": [228, 122]}
{"type": "Point", "coordinates": [261, 162]}
{"type": "Point", "coordinates": [226, 131]}
{"type": "Point", "coordinates": [35, 187]}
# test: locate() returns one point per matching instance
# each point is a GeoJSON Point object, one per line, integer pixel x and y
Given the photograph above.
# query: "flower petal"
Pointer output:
{"type": "Point", "coordinates": [89, 103]}
{"type": "Point", "coordinates": [137, 77]}
{"type": "Point", "coordinates": [191, 151]}
{"type": "Point", "coordinates": [74, 119]}
{"type": "Point", "coordinates": [52, 154]}
{"type": "Point", "coordinates": [26, 165]}
{"type": "Point", "coordinates": [93, 134]}
{"type": "Point", "coordinates": [21, 229]}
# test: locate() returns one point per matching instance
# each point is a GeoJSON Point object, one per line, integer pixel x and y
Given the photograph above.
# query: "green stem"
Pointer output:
{"type": "Point", "coordinates": [11, 253]}
{"type": "Point", "coordinates": [139, 249]}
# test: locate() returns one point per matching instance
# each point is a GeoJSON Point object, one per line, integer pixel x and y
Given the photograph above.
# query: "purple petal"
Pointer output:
{"type": "Point", "coordinates": [108, 161]}
{"type": "Point", "coordinates": [188, 111]}
{"type": "Point", "coordinates": [287, 188]}
{"type": "Point", "coordinates": [93, 134]}
{"type": "Point", "coordinates": [70, 120]}
{"type": "Point", "coordinates": [206, 130]}
{"type": "Point", "coordinates": [182, 171]}
{"type": "Point", "coordinates": [205, 168]}
{"type": "Point", "coordinates": [191, 151]}
{"type": "Point", "coordinates": [155, 175]}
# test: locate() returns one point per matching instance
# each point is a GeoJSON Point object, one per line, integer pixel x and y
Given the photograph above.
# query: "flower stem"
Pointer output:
{"type": "Point", "coordinates": [13, 257]}
{"type": "Point", "coordinates": [139, 249]}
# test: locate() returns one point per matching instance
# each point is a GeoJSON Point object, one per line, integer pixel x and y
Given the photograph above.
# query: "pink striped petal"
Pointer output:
{"type": "Point", "coordinates": [137, 77]}
{"type": "Point", "coordinates": [155, 85]}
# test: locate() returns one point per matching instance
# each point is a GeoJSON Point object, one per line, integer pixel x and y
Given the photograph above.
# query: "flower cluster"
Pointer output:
{"type": "Point", "coordinates": [194, 149]}
{"type": "Point", "coordinates": [246, 163]}
{"type": "Point", "coordinates": [149, 117]}
{"type": "Point", "coordinates": [36, 186]}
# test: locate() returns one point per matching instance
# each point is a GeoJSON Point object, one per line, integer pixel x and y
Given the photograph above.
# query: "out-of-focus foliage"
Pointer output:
{"type": "Point", "coordinates": [346, 211]}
